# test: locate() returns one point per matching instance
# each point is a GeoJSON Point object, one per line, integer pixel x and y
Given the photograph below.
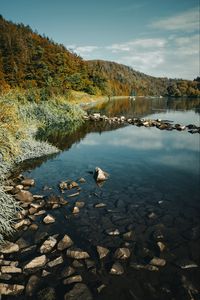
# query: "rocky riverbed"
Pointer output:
{"type": "Point", "coordinates": [87, 245]}
{"type": "Point", "coordinates": [158, 123]}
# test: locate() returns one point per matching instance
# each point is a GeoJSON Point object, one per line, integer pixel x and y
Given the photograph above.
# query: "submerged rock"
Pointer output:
{"type": "Point", "coordinates": [32, 285]}
{"type": "Point", "coordinates": [67, 271]}
{"type": "Point", "coordinates": [117, 269]}
{"type": "Point", "coordinates": [79, 292]}
{"type": "Point", "coordinates": [47, 294]}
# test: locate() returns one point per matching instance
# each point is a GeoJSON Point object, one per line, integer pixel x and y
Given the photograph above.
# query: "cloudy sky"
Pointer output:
{"type": "Point", "coordinates": [157, 37]}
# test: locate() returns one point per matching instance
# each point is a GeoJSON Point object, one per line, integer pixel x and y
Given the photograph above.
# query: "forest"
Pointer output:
{"type": "Point", "coordinates": [34, 62]}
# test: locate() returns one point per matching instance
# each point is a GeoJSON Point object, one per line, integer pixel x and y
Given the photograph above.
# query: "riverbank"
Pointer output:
{"type": "Point", "coordinates": [20, 120]}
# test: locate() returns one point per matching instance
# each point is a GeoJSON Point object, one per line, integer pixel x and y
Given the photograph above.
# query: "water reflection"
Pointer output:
{"type": "Point", "coordinates": [145, 106]}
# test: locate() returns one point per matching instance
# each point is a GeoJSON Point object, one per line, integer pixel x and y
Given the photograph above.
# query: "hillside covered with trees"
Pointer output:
{"type": "Point", "coordinates": [34, 62]}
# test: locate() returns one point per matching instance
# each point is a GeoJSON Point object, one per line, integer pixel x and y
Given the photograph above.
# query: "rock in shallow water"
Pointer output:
{"type": "Point", "coordinates": [11, 289]}
{"type": "Point", "coordinates": [24, 196]}
{"type": "Point", "coordinates": [100, 175]}
{"type": "Point", "coordinates": [158, 262]}
{"type": "Point", "coordinates": [48, 245]}
{"type": "Point", "coordinates": [65, 243]}
{"type": "Point", "coordinates": [32, 285]}
{"type": "Point", "coordinates": [122, 253]}
{"type": "Point", "coordinates": [117, 269]}
{"type": "Point", "coordinates": [102, 251]}
{"type": "Point", "coordinates": [49, 219]}
{"type": "Point", "coordinates": [37, 262]}
{"type": "Point", "coordinates": [28, 182]}
{"type": "Point", "coordinates": [10, 269]}
{"type": "Point", "coordinates": [73, 279]}
{"type": "Point", "coordinates": [77, 253]}
{"type": "Point", "coordinates": [9, 247]}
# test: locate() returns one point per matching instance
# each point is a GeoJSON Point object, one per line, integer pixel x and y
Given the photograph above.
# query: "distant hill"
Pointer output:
{"type": "Point", "coordinates": [31, 61]}
{"type": "Point", "coordinates": [123, 80]}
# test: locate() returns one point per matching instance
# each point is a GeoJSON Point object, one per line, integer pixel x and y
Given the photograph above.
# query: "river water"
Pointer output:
{"type": "Point", "coordinates": [152, 191]}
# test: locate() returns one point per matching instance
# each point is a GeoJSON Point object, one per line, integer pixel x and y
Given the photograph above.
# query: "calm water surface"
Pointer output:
{"type": "Point", "coordinates": [151, 171]}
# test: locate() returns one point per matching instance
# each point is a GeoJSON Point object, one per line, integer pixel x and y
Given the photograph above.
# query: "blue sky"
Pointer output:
{"type": "Point", "coordinates": [157, 37]}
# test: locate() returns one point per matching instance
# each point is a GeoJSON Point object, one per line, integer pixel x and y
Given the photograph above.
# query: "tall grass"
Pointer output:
{"type": "Point", "coordinates": [22, 115]}
{"type": "Point", "coordinates": [20, 118]}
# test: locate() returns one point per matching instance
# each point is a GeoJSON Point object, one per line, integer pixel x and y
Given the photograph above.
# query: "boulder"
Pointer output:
{"type": "Point", "coordinates": [48, 245]}
{"type": "Point", "coordinates": [65, 243]}
{"type": "Point", "coordinates": [37, 262]}
{"type": "Point", "coordinates": [100, 175]}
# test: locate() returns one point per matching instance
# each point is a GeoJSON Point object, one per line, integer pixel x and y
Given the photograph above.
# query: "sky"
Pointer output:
{"type": "Point", "coordinates": [156, 37]}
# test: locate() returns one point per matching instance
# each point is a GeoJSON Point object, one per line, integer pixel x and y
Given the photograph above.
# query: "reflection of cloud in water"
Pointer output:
{"type": "Point", "coordinates": [180, 161]}
{"type": "Point", "coordinates": [145, 139]}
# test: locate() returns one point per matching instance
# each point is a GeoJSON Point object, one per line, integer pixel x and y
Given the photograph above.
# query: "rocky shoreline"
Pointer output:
{"type": "Point", "coordinates": [29, 149]}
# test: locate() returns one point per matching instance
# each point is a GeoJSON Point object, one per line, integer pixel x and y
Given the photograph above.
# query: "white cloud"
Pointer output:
{"type": "Point", "coordinates": [176, 56]}
{"type": "Point", "coordinates": [186, 21]}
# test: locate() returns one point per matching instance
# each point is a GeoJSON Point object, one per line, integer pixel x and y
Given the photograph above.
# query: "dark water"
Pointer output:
{"type": "Point", "coordinates": [151, 171]}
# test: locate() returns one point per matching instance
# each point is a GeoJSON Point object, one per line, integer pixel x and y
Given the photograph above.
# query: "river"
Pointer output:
{"type": "Point", "coordinates": [152, 193]}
